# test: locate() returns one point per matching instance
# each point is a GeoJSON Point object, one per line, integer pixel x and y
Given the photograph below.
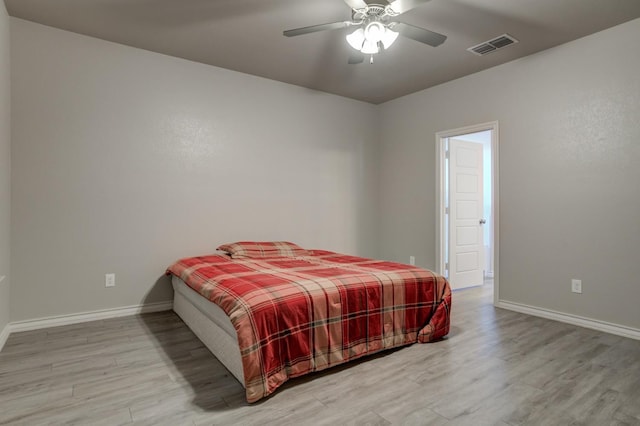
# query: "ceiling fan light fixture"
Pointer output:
{"type": "Point", "coordinates": [370, 45]}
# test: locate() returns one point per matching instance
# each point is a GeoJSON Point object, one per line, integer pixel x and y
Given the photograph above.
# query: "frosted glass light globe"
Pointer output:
{"type": "Point", "coordinates": [356, 39]}
{"type": "Point", "coordinates": [374, 31]}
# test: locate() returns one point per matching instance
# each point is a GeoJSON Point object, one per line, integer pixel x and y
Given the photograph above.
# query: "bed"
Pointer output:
{"type": "Point", "coordinates": [270, 311]}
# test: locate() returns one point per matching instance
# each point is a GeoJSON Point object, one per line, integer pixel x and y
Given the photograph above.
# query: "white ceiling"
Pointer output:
{"type": "Point", "coordinates": [246, 36]}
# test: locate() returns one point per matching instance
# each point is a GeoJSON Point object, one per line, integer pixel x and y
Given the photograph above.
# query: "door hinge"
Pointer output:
{"type": "Point", "coordinates": [446, 154]}
{"type": "Point", "coordinates": [446, 210]}
{"type": "Point", "coordinates": [446, 266]}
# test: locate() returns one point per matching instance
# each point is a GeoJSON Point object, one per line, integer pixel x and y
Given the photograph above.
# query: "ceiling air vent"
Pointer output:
{"type": "Point", "coordinates": [489, 46]}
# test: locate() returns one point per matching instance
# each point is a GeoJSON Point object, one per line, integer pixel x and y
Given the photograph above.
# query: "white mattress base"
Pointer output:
{"type": "Point", "coordinates": [207, 308]}
{"type": "Point", "coordinates": [223, 346]}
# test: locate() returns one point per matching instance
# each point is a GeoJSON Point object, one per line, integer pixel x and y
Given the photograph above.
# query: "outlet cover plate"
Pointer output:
{"type": "Point", "coordinates": [110, 280]}
{"type": "Point", "coordinates": [576, 286]}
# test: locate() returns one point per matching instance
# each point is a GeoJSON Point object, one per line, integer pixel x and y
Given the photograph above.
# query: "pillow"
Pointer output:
{"type": "Point", "coordinates": [263, 249]}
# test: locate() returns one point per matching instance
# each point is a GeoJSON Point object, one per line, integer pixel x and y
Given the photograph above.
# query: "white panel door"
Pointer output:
{"type": "Point", "coordinates": [466, 247]}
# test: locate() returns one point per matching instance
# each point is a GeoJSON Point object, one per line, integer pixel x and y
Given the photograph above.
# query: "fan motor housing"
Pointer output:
{"type": "Point", "coordinates": [373, 12]}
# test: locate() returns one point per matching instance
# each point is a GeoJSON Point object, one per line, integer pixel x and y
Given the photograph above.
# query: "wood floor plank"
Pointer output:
{"type": "Point", "coordinates": [495, 368]}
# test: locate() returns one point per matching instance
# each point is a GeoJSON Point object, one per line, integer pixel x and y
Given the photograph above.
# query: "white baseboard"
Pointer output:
{"type": "Point", "coordinates": [607, 327]}
{"type": "Point", "coordinates": [4, 335]}
{"type": "Point", "coordinates": [39, 323]}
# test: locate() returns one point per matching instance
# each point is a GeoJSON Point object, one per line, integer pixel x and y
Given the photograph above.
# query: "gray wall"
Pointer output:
{"type": "Point", "coordinates": [125, 160]}
{"type": "Point", "coordinates": [569, 173]}
{"type": "Point", "coordinates": [5, 166]}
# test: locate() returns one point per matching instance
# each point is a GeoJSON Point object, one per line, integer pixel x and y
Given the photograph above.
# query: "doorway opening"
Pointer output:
{"type": "Point", "coordinates": [467, 200]}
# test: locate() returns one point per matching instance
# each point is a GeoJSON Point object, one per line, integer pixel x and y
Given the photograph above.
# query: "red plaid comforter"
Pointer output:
{"type": "Point", "coordinates": [294, 315]}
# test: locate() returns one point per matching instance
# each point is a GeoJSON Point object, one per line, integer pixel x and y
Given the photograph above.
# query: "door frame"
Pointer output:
{"type": "Point", "coordinates": [440, 196]}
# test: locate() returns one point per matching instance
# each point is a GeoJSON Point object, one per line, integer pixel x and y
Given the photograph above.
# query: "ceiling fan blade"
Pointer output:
{"type": "Point", "coordinates": [419, 34]}
{"type": "Point", "coordinates": [315, 28]}
{"type": "Point", "coordinates": [356, 58]}
{"type": "Point", "coordinates": [356, 4]}
{"type": "Point", "coordinates": [402, 6]}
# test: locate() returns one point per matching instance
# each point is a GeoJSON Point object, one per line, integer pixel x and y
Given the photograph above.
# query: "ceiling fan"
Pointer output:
{"type": "Point", "coordinates": [378, 27]}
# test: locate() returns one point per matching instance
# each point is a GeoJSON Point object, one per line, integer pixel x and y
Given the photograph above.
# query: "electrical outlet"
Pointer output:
{"type": "Point", "coordinates": [110, 280]}
{"type": "Point", "coordinates": [412, 260]}
{"type": "Point", "coordinates": [576, 286]}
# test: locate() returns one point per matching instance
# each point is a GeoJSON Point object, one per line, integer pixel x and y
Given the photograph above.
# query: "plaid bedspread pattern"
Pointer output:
{"type": "Point", "coordinates": [295, 315]}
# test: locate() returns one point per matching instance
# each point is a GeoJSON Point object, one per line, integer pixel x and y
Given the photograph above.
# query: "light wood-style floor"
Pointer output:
{"type": "Point", "coordinates": [495, 368]}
